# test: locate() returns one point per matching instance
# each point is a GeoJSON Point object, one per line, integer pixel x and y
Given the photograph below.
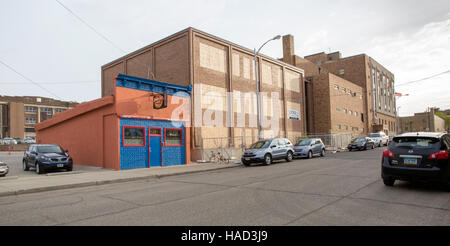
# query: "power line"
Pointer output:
{"type": "Point", "coordinates": [90, 27]}
{"type": "Point", "coordinates": [54, 82]}
{"type": "Point", "coordinates": [415, 81]}
{"type": "Point", "coordinates": [23, 76]}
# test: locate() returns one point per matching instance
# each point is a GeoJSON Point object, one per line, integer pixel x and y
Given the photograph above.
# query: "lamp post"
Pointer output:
{"type": "Point", "coordinates": [396, 111]}
{"type": "Point", "coordinates": [258, 104]}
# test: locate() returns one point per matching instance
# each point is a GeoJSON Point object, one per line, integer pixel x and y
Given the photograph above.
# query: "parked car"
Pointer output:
{"type": "Point", "coordinates": [380, 138]}
{"type": "Point", "coordinates": [4, 169]}
{"type": "Point", "coordinates": [29, 140]}
{"type": "Point", "coordinates": [44, 157]}
{"type": "Point", "coordinates": [309, 148]}
{"type": "Point", "coordinates": [266, 151]}
{"type": "Point", "coordinates": [362, 143]}
{"type": "Point", "coordinates": [417, 156]}
{"type": "Point", "coordinates": [8, 141]}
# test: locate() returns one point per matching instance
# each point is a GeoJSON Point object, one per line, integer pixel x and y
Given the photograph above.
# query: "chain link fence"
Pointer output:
{"type": "Point", "coordinates": [232, 148]}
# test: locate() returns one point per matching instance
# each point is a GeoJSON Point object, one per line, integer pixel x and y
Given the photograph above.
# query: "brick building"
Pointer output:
{"type": "Point", "coordinates": [377, 84]}
{"type": "Point", "coordinates": [19, 114]}
{"type": "Point", "coordinates": [422, 122]}
{"type": "Point", "coordinates": [378, 112]}
{"type": "Point", "coordinates": [215, 68]}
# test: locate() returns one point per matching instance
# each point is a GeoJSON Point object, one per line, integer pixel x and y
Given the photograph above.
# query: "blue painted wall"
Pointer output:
{"type": "Point", "coordinates": [138, 157]}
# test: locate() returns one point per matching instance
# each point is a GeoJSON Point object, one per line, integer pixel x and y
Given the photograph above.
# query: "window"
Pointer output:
{"type": "Point", "coordinates": [30, 110]}
{"type": "Point", "coordinates": [155, 131]}
{"type": "Point", "coordinates": [350, 112]}
{"type": "Point", "coordinates": [336, 87]}
{"type": "Point", "coordinates": [173, 137]}
{"type": "Point", "coordinates": [47, 110]}
{"type": "Point", "coordinates": [30, 120]}
{"type": "Point", "coordinates": [346, 127]}
{"type": "Point", "coordinates": [341, 71]}
{"type": "Point", "coordinates": [356, 114]}
{"type": "Point", "coordinates": [59, 110]}
{"type": "Point", "coordinates": [362, 117]}
{"type": "Point", "coordinates": [338, 127]}
{"type": "Point", "coordinates": [133, 136]}
{"type": "Point", "coordinates": [345, 110]}
{"type": "Point", "coordinates": [338, 109]}
{"type": "Point", "coordinates": [344, 90]}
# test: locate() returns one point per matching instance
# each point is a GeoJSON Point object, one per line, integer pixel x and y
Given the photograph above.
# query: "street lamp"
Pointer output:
{"type": "Point", "coordinates": [258, 107]}
{"type": "Point", "coordinates": [396, 111]}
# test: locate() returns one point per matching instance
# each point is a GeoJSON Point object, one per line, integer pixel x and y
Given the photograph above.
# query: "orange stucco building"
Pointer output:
{"type": "Point", "coordinates": [127, 130]}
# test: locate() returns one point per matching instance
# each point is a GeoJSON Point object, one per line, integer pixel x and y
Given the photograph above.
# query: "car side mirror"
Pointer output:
{"type": "Point", "coordinates": [67, 151]}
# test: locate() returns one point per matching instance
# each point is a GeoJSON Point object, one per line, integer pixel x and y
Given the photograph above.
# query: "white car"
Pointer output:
{"type": "Point", "coordinates": [9, 141]}
{"type": "Point", "coordinates": [380, 138]}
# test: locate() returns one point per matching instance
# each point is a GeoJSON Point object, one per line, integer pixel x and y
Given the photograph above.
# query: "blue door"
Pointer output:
{"type": "Point", "coordinates": [155, 146]}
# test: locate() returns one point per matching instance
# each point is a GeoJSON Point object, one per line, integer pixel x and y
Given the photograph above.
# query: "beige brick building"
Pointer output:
{"type": "Point", "coordinates": [216, 67]}
{"type": "Point", "coordinates": [19, 114]}
{"type": "Point", "coordinates": [375, 82]}
{"type": "Point", "coordinates": [422, 122]}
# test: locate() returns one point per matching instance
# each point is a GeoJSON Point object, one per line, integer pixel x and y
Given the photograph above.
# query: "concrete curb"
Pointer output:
{"type": "Point", "coordinates": [109, 181]}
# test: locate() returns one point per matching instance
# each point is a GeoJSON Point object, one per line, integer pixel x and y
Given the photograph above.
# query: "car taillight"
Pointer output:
{"type": "Point", "coordinates": [441, 155]}
{"type": "Point", "coordinates": [388, 153]}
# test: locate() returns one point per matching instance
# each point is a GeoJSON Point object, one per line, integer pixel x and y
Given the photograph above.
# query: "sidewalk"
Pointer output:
{"type": "Point", "coordinates": [22, 185]}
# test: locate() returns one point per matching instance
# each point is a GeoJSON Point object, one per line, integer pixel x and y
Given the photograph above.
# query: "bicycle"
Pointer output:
{"type": "Point", "coordinates": [218, 158]}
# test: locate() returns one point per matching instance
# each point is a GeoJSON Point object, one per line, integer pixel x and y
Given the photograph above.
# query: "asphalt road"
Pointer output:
{"type": "Point", "coordinates": [14, 162]}
{"type": "Point", "coordinates": [340, 189]}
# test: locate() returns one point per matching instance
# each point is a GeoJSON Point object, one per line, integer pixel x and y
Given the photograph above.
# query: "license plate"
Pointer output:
{"type": "Point", "coordinates": [59, 165]}
{"type": "Point", "coordinates": [410, 161]}
{"type": "Point", "coordinates": [247, 159]}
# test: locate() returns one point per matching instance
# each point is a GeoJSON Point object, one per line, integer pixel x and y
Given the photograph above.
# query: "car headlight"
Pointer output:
{"type": "Point", "coordinates": [45, 158]}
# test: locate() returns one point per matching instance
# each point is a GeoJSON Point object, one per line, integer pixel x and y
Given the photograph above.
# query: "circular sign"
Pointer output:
{"type": "Point", "coordinates": [158, 101]}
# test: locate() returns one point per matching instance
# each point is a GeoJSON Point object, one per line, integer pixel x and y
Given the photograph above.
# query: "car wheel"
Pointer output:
{"type": "Point", "coordinates": [69, 169]}
{"type": "Point", "coordinates": [289, 156]}
{"type": "Point", "coordinates": [310, 154]}
{"type": "Point", "coordinates": [322, 153]}
{"type": "Point", "coordinates": [25, 166]}
{"type": "Point", "coordinates": [388, 181]}
{"type": "Point", "coordinates": [39, 169]}
{"type": "Point", "coordinates": [267, 159]}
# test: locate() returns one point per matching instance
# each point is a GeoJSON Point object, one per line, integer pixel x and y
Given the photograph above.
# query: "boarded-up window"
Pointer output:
{"type": "Point", "coordinates": [236, 65]}
{"type": "Point", "coordinates": [292, 81]}
{"type": "Point", "coordinates": [212, 58]}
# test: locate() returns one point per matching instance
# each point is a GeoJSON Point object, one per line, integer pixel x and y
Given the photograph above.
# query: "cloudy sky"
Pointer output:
{"type": "Point", "coordinates": [46, 44]}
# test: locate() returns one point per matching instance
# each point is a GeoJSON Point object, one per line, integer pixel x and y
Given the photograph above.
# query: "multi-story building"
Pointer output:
{"type": "Point", "coordinates": [217, 68]}
{"type": "Point", "coordinates": [376, 82]}
{"type": "Point", "coordinates": [422, 122]}
{"type": "Point", "coordinates": [334, 104]}
{"type": "Point", "coordinates": [337, 105]}
{"type": "Point", "coordinates": [19, 114]}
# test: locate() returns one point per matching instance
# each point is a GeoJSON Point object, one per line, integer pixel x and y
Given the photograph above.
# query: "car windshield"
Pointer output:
{"type": "Point", "coordinates": [305, 142]}
{"type": "Point", "coordinates": [49, 149]}
{"type": "Point", "coordinates": [2, 164]}
{"type": "Point", "coordinates": [374, 135]}
{"type": "Point", "coordinates": [260, 145]}
{"type": "Point", "coordinates": [415, 142]}
{"type": "Point", "coordinates": [359, 140]}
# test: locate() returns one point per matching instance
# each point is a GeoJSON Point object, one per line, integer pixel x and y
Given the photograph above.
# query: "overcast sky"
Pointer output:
{"type": "Point", "coordinates": [47, 44]}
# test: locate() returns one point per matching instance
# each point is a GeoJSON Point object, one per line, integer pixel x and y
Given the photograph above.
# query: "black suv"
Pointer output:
{"type": "Point", "coordinates": [417, 156]}
{"type": "Point", "coordinates": [45, 157]}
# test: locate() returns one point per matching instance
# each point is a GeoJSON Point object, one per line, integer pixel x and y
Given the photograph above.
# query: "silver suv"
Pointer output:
{"type": "Point", "coordinates": [266, 151]}
{"type": "Point", "coordinates": [380, 138]}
